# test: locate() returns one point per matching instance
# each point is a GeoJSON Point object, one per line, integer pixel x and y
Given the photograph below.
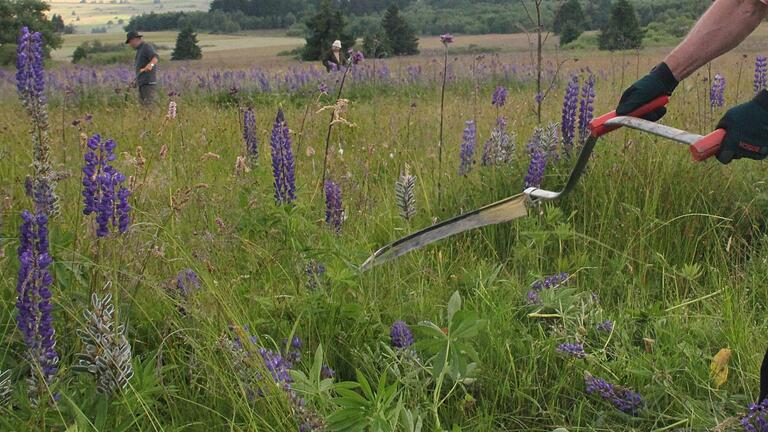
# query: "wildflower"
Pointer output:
{"type": "Point", "coordinates": [499, 97]}
{"type": "Point", "coordinates": [322, 88]}
{"type": "Point", "coordinates": [533, 297]}
{"type": "Point", "coordinates": [500, 147]}
{"type": "Point", "coordinates": [405, 194]}
{"type": "Point", "coordinates": [605, 326]}
{"type": "Point", "coordinates": [326, 372]}
{"type": "Point", "coordinates": [549, 141]}
{"type": "Point", "coordinates": [756, 419]}
{"type": "Point", "coordinates": [536, 169]}
{"type": "Point", "coordinates": [761, 73]}
{"type": "Point", "coordinates": [568, 124]}
{"type": "Point", "coordinates": [717, 92]}
{"type": "Point", "coordinates": [107, 354]}
{"type": "Point", "coordinates": [187, 282]}
{"type": "Point", "coordinates": [30, 83]}
{"type": "Point", "coordinates": [34, 317]}
{"type": "Point", "coordinates": [572, 349]}
{"type": "Point", "coordinates": [171, 110]}
{"type": "Point", "coordinates": [283, 165]}
{"type": "Point", "coordinates": [446, 39]}
{"type": "Point", "coordinates": [624, 399]}
{"type": "Point", "coordinates": [334, 212]}
{"type": "Point", "coordinates": [315, 272]}
{"type": "Point", "coordinates": [550, 281]}
{"type": "Point", "coordinates": [249, 134]}
{"type": "Point", "coordinates": [401, 335]}
{"type": "Point", "coordinates": [356, 57]}
{"type": "Point", "coordinates": [104, 192]}
{"type": "Point", "coordinates": [468, 148]}
{"type": "Point", "coordinates": [586, 108]}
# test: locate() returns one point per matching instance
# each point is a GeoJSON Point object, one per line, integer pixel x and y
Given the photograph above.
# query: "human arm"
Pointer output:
{"type": "Point", "coordinates": [150, 65]}
{"type": "Point", "coordinates": [725, 24]}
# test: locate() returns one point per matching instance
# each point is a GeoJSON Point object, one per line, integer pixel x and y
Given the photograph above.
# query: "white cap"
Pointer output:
{"type": "Point", "coordinates": [337, 44]}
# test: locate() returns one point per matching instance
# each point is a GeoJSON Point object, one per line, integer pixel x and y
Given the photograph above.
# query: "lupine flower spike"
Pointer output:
{"type": "Point", "coordinates": [107, 353]}
{"type": "Point", "coordinates": [34, 317]}
{"type": "Point", "coordinates": [624, 399]}
{"type": "Point", "coordinates": [283, 164]}
{"type": "Point", "coordinates": [717, 92]}
{"type": "Point", "coordinates": [499, 98]}
{"type": "Point", "coordinates": [586, 108]}
{"type": "Point", "coordinates": [467, 153]}
{"type": "Point", "coordinates": [30, 83]}
{"type": "Point", "coordinates": [334, 210]}
{"type": "Point", "coordinates": [575, 350]}
{"type": "Point", "coordinates": [400, 335]}
{"type": "Point", "coordinates": [405, 194]}
{"type": "Point", "coordinates": [104, 192]}
{"type": "Point", "coordinates": [568, 124]}
{"type": "Point", "coordinates": [250, 137]}
{"type": "Point", "coordinates": [761, 73]}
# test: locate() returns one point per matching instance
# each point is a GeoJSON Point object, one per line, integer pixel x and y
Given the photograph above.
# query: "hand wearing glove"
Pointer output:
{"type": "Point", "coordinates": [746, 128]}
{"type": "Point", "coordinates": [659, 82]}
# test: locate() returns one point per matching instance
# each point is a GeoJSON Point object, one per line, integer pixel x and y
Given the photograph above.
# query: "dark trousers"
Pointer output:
{"type": "Point", "coordinates": [147, 94]}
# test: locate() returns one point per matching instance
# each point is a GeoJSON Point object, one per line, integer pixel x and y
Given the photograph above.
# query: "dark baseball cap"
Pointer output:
{"type": "Point", "coordinates": [132, 35]}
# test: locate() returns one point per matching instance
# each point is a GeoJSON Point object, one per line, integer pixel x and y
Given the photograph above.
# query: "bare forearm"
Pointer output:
{"type": "Point", "coordinates": [720, 29]}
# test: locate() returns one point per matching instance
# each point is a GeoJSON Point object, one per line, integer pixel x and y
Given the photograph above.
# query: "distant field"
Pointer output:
{"type": "Point", "coordinates": [97, 13]}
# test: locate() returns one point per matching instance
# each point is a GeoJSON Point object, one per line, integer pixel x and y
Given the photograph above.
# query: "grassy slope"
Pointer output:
{"type": "Point", "coordinates": [646, 230]}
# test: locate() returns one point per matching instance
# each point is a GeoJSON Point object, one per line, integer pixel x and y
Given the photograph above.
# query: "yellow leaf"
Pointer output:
{"type": "Point", "coordinates": [718, 370]}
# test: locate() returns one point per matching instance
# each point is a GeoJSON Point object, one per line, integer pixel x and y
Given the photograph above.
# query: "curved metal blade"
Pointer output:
{"type": "Point", "coordinates": [502, 211]}
{"type": "Point", "coordinates": [657, 129]}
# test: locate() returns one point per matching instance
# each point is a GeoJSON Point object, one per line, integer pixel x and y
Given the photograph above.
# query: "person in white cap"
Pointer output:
{"type": "Point", "coordinates": [335, 58]}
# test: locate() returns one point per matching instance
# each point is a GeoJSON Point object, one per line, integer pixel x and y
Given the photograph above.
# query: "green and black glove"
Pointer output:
{"type": "Point", "coordinates": [659, 82]}
{"type": "Point", "coordinates": [747, 130]}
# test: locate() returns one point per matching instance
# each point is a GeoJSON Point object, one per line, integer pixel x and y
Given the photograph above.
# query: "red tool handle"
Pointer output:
{"type": "Point", "coordinates": [598, 127]}
{"type": "Point", "coordinates": [708, 146]}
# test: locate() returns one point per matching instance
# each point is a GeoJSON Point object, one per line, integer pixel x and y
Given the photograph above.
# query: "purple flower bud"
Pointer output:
{"type": "Point", "coordinates": [622, 398]}
{"type": "Point", "coordinates": [250, 138]}
{"type": "Point", "coordinates": [717, 92]}
{"type": "Point", "coordinates": [605, 326]}
{"type": "Point", "coordinates": [761, 73]}
{"type": "Point", "coordinates": [446, 39]}
{"type": "Point", "coordinates": [572, 349]}
{"type": "Point", "coordinates": [568, 123]}
{"type": "Point", "coordinates": [401, 335]}
{"type": "Point", "coordinates": [334, 210]}
{"type": "Point", "coordinates": [283, 164]}
{"type": "Point", "coordinates": [499, 97]}
{"type": "Point", "coordinates": [586, 108]}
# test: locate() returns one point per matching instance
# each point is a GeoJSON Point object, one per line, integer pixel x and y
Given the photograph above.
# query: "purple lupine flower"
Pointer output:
{"type": "Point", "coordinates": [315, 271]}
{"type": "Point", "coordinates": [250, 138]}
{"type": "Point", "coordinates": [334, 211]}
{"type": "Point", "coordinates": [326, 372]}
{"type": "Point", "coordinates": [30, 75]}
{"type": "Point", "coordinates": [400, 335]}
{"type": "Point", "coordinates": [536, 169]}
{"type": "Point", "coordinates": [357, 57]}
{"type": "Point", "coordinates": [499, 98]}
{"type": "Point", "coordinates": [605, 326]}
{"type": "Point", "coordinates": [550, 281]}
{"type": "Point", "coordinates": [104, 192]}
{"type": "Point", "coordinates": [572, 349]}
{"type": "Point", "coordinates": [446, 39]}
{"type": "Point", "coordinates": [761, 73]}
{"type": "Point", "coordinates": [467, 153]}
{"type": "Point", "coordinates": [533, 297]}
{"type": "Point", "coordinates": [624, 399]}
{"type": "Point", "coordinates": [30, 83]}
{"type": "Point", "coordinates": [717, 92]}
{"type": "Point", "coordinates": [570, 103]}
{"type": "Point", "coordinates": [283, 165]}
{"type": "Point", "coordinates": [34, 317]}
{"type": "Point", "coordinates": [187, 282]}
{"type": "Point", "coordinates": [586, 108]}
{"type": "Point", "coordinates": [756, 419]}
{"type": "Point", "coordinates": [500, 147]}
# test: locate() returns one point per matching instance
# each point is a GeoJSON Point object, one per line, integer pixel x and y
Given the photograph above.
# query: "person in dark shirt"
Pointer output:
{"type": "Point", "coordinates": [334, 59]}
{"type": "Point", "coordinates": [145, 66]}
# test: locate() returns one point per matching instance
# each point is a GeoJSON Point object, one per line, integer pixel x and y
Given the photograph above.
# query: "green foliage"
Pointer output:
{"type": "Point", "coordinates": [569, 22]}
{"type": "Point", "coordinates": [327, 25]}
{"type": "Point", "coordinates": [186, 46]}
{"type": "Point", "coordinates": [400, 37]}
{"type": "Point", "coordinates": [375, 45]}
{"type": "Point", "coordinates": [15, 14]}
{"type": "Point", "coordinates": [623, 29]}
{"type": "Point", "coordinates": [96, 52]}
{"type": "Point", "coordinates": [375, 409]}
